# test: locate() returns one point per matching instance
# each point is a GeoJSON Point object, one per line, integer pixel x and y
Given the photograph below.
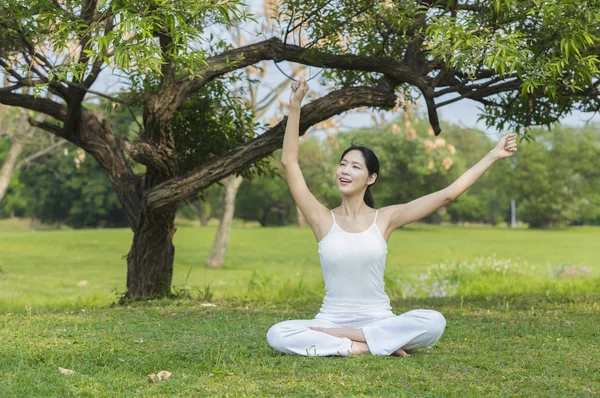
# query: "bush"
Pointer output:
{"type": "Point", "coordinates": [491, 275]}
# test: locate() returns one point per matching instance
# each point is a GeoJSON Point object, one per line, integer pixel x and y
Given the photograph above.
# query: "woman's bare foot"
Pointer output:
{"type": "Point", "coordinates": [359, 348]}
{"type": "Point", "coordinates": [400, 353]}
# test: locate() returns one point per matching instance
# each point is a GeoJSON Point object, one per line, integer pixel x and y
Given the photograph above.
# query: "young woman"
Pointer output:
{"type": "Point", "coordinates": [356, 315]}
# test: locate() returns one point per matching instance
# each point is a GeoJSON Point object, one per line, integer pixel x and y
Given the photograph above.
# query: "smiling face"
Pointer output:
{"type": "Point", "coordinates": [352, 173]}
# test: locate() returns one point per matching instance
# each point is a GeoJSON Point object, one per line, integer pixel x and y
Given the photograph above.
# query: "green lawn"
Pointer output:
{"type": "Point", "coordinates": [516, 326]}
{"type": "Point", "coordinates": [527, 346]}
{"type": "Point", "coordinates": [41, 271]}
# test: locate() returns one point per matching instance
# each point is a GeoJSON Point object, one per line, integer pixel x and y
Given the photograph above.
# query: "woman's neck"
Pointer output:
{"type": "Point", "coordinates": [353, 206]}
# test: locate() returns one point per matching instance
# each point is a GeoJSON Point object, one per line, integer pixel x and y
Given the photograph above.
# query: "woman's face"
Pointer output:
{"type": "Point", "coordinates": [352, 173]}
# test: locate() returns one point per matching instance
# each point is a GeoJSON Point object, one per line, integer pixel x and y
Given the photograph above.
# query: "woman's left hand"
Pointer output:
{"type": "Point", "coordinates": [506, 147]}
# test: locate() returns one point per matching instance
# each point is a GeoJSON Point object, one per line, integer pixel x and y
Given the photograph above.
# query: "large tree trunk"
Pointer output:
{"type": "Point", "coordinates": [228, 194]}
{"type": "Point", "coordinates": [150, 259]}
{"type": "Point", "coordinates": [8, 166]}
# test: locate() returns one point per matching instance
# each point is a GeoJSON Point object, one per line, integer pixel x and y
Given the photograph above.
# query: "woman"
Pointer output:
{"type": "Point", "coordinates": [356, 315]}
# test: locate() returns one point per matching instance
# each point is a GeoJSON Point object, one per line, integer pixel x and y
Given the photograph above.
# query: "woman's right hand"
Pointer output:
{"type": "Point", "coordinates": [299, 89]}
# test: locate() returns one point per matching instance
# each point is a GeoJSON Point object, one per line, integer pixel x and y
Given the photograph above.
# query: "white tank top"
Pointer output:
{"type": "Point", "coordinates": [353, 264]}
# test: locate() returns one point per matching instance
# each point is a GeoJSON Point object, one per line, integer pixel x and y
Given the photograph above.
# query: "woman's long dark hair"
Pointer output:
{"type": "Point", "coordinates": [372, 167]}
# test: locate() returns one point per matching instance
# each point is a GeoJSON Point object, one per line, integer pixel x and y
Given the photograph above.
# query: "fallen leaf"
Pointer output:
{"type": "Point", "coordinates": [66, 371]}
{"type": "Point", "coordinates": [162, 375]}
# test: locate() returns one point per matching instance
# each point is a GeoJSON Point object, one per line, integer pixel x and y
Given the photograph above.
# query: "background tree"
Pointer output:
{"type": "Point", "coordinates": [561, 171]}
{"type": "Point", "coordinates": [526, 64]}
{"type": "Point", "coordinates": [488, 200]}
{"type": "Point", "coordinates": [69, 188]}
{"type": "Point", "coordinates": [266, 199]}
{"type": "Point", "coordinates": [203, 208]}
{"type": "Point", "coordinates": [24, 143]}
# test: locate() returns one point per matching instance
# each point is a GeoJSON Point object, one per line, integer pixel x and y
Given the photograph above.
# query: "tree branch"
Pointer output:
{"type": "Point", "coordinates": [478, 92]}
{"type": "Point", "coordinates": [334, 103]}
{"type": "Point", "coordinates": [96, 138]}
{"type": "Point", "coordinates": [49, 127]}
{"type": "Point", "coordinates": [42, 105]}
{"type": "Point", "coordinates": [29, 48]}
{"type": "Point", "coordinates": [39, 153]}
{"type": "Point", "coordinates": [97, 66]}
{"type": "Point", "coordinates": [148, 155]}
{"type": "Point", "coordinates": [434, 119]}
{"type": "Point", "coordinates": [462, 87]}
{"type": "Point", "coordinates": [167, 70]}
{"type": "Point", "coordinates": [274, 49]}
{"type": "Point", "coordinates": [262, 105]}
{"type": "Point", "coordinates": [10, 71]}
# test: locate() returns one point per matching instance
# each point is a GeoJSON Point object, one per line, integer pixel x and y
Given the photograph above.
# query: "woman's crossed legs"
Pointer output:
{"type": "Point", "coordinates": [359, 343]}
{"type": "Point", "coordinates": [389, 336]}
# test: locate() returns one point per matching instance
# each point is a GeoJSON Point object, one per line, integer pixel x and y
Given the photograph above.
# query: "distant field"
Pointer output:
{"type": "Point", "coordinates": [71, 269]}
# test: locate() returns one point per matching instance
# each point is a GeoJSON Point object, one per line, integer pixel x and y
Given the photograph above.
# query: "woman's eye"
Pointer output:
{"type": "Point", "coordinates": [356, 167]}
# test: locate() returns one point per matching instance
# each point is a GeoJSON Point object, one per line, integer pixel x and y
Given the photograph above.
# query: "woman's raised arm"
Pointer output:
{"type": "Point", "coordinates": [292, 136]}
{"type": "Point", "coordinates": [314, 212]}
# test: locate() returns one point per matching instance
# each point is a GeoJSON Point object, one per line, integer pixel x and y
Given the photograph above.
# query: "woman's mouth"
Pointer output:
{"type": "Point", "coordinates": [345, 181]}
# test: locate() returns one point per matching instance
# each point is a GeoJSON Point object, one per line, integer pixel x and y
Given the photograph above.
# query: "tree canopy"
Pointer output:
{"type": "Point", "coordinates": [527, 62]}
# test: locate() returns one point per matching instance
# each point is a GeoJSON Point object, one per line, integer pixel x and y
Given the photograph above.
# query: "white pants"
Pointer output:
{"type": "Point", "coordinates": [413, 329]}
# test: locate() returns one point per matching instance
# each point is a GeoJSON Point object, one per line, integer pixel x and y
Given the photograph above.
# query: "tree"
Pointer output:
{"type": "Point", "coordinates": [20, 134]}
{"type": "Point", "coordinates": [561, 170]}
{"type": "Point", "coordinates": [486, 201]}
{"type": "Point", "coordinates": [526, 65]}
{"type": "Point", "coordinates": [204, 208]}
{"type": "Point", "coordinates": [266, 199]}
{"type": "Point", "coordinates": [15, 128]}
{"type": "Point", "coordinates": [228, 193]}
{"type": "Point", "coordinates": [67, 187]}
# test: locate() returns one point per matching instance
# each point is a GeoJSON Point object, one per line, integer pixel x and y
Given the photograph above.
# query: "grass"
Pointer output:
{"type": "Point", "coordinates": [527, 346]}
{"type": "Point", "coordinates": [44, 271]}
{"type": "Point", "coordinates": [513, 329]}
